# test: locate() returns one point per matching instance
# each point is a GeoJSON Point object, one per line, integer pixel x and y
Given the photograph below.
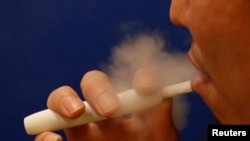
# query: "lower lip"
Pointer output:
{"type": "Point", "coordinates": [200, 81]}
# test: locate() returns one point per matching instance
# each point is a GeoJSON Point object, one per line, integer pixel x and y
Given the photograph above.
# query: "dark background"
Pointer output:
{"type": "Point", "coordinates": [49, 43]}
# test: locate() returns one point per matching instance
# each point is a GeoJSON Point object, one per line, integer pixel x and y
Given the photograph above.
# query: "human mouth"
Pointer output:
{"type": "Point", "coordinates": [200, 82]}
{"type": "Point", "coordinates": [201, 79]}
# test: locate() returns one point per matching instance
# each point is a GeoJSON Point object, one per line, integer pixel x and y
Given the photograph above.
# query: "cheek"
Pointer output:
{"type": "Point", "coordinates": [218, 25]}
{"type": "Point", "coordinates": [223, 41]}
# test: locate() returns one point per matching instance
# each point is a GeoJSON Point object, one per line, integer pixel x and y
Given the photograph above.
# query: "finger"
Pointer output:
{"type": "Point", "coordinates": [100, 93]}
{"type": "Point", "coordinates": [66, 102]}
{"type": "Point", "coordinates": [146, 81]}
{"type": "Point", "coordinates": [48, 136]}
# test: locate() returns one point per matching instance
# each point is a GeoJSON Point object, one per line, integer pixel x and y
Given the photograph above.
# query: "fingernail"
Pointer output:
{"type": "Point", "coordinates": [107, 104]}
{"type": "Point", "coordinates": [72, 104]}
{"type": "Point", "coordinates": [52, 138]}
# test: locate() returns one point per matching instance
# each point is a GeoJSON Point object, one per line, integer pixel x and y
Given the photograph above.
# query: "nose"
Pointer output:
{"type": "Point", "coordinates": [179, 12]}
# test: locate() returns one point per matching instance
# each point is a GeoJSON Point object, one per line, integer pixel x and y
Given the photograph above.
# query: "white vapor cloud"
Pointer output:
{"type": "Point", "coordinates": [142, 50]}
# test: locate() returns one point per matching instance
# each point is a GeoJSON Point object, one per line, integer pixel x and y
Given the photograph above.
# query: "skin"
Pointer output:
{"type": "Point", "coordinates": [220, 51]}
{"type": "Point", "coordinates": [94, 85]}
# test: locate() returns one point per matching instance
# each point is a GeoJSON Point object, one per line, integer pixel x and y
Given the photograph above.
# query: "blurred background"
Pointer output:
{"type": "Point", "coordinates": [49, 43]}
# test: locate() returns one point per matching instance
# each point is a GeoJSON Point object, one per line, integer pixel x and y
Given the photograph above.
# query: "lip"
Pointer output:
{"type": "Point", "coordinates": [201, 79]}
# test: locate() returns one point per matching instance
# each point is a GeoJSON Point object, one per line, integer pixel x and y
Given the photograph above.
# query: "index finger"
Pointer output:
{"type": "Point", "coordinates": [65, 101]}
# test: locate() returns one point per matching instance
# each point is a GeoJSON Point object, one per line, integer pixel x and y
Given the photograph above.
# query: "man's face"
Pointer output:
{"type": "Point", "coordinates": [220, 51]}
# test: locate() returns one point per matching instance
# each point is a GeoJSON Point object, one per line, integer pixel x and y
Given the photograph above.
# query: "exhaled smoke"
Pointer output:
{"type": "Point", "coordinates": [147, 50]}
